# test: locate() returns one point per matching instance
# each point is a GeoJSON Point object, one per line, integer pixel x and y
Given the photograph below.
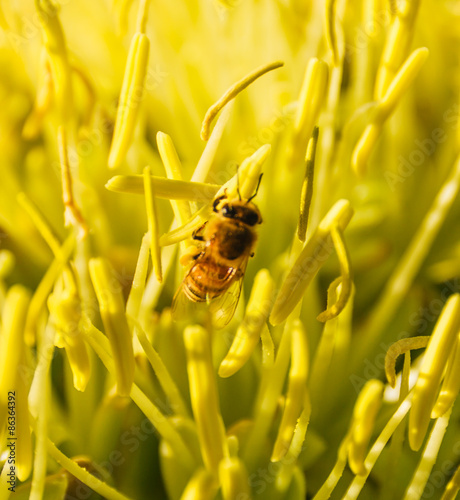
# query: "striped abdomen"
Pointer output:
{"type": "Point", "coordinates": [207, 280]}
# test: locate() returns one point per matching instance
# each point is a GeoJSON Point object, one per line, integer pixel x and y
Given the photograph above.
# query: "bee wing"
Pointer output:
{"type": "Point", "coordinates": [223, 307]}
{"type": "Point", "coordinates": [182, 307]}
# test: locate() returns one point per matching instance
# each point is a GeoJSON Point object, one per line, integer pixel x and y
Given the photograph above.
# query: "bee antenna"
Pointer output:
{"type": "Point", "coordinates": [257, 189]}
{"type": "Point", "coordinates": [238, 182]}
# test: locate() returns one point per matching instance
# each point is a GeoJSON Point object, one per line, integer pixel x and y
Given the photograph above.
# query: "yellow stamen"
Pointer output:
{"type": "Point", "coordinates": [164, 378]}
{"type": "Point", "coordinates": [332, 352]}
{"type": "Point", "coordinates": [43, 99]}
{"type": "Point", "coordinates": [385, 108]}
{"type": "Point", "coordinates": [312, 257]}
{"type": "Point", "coordinates": [111, 306]}
{"type": "Point", "coordinates": [203, 168]}
{"type": "Point", "coordinates": [12, 338]}
{"type": "Point", "coordinates": [65, 309]}
{"type": "Point", "coordinates": [430, 453]}
{"type": "Point", "coordinates": [7, 261]}
{"type": "Point", "coordinates": [234, 479]}
{"type": "Point", "coordinates": [409, 264]}
{"type": "Point", "coordinates": [401, 347]}
{"type": "Point", "coordinates": [311, 99]}
{"type": "Point", "coordinates": [152, 220]}
{"type": "Point", "coordinates": [105, 490]}
{"type": "Point", "coordinates": [39, 405]}
{"type": "Point", "coordinates": [248, 334]}
{"type": "Point", "coordinates": [72, 214]}
{"type": "Point", "coordinates": [268, 347]}
{"type": "Point", "coordinates": [173, 169]}
{"type": "Point", "coordinates": [231, 93]}
{"type": "Point", "coordinates": [453, 486]}
{"type": "Point", "coordinates": [331, 35]}
{"type": "Point", "coordinates": [346, 283]}
{"type": "Point", "coordinates": [202, 486]}
{"type": "Point", "coordinates": [248, 175]}
{"type": "Point", "coordinates": [142, 15]}
{"type": "Point", "coordinates": [130, 98]}
{"type": "Point", "coordinates": [451, 385]}
{"type": "Point", "coordinates": [43, 290]}
{"type": "Point", "coordinates": [431, 370]}
{"type": "Point", "coordinates": [397, 44]}
{"type": "Point", "coordinates": [24, 440]}
{"type": "Point", "coordinates": [364, 415]}
{"type": "Point", "coordinates": [374, 453]}
{"type": "Point", "coordinates": [170, 189]}
{"type": "Point", "coordinates": [133, 303]}
{"type": "Point", "coordinates": [101, 345]}
{"type": "Point", "coordinates": [324, 493]}
{"type": "Point", "coordinates": [296, 392]}
{"type": "Point", "coordinates": [288, 465]}
{"type": "Point", "coordinates": [45, 230]}
{"type": "Point", "coordinates": [204, 397]}
{"type": "Point", "coordinates": [267, 403]}
{"type": "Point", "coordinates": [55, 45]}
{"type": "Point", "coordinates": [12, 359]}
{"type": "Point", "coordinates": [185, 231]}
{"type": "Point", "coordinates": [307, 186]}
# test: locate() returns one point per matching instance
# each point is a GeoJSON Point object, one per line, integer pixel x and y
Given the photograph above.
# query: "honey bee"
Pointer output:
{"type": "Point", "coordinates": [227, 241]}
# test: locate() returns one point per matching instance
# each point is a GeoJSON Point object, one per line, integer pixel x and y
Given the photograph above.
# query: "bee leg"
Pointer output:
{"type": "Point", "coordinates": [252, 254]}
{"type": "Point", "coordinates": [196, 234]}
{"type": "Point", "coordinates": [218, 200]}
{"type": "Point", "coordinates": [191, 253]}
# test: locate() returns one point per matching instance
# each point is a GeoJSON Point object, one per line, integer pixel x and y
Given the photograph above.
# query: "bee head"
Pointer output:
{"type": "Point", "coordinates": [245, 212]}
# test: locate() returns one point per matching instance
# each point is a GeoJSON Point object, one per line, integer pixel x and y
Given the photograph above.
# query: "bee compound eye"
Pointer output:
{"type": "Point", "coordinates": [252, 218]}
{"type": "Point", "coordinates": [228, 210]}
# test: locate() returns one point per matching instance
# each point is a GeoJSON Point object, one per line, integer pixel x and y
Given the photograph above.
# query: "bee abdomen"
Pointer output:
{"type": "Point", "coordinates": [207, 282]}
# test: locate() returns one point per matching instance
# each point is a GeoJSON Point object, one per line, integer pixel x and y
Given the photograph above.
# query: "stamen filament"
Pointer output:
{"type": "Point", "coordinates": [296, 392]}
{"type": "Point", "coordinates": [152, 221]}
{"type": "Point", "coordinates": [204, 397]}
{"type": "Point", "coordinates": [130, 98]}
{"type": "Point", "coordinates": [171, 189]}
{"type": "Point", "coordinates": [248, 333]}
{"type": "Point", "coordinates": [311, 99]}
{"type": "Point", "coordinates": [231, 93]}
{"type": "Point", "coordinates": [364, 415]}
{"type": "Point", "coordinates": [173, 169]}
{"type": "Point", "coordinates": [311, 258]}
{"type": "Point", "coordinates": [307, 186]}
{"type": "Point", "coordinates": [401, 347]}
{"type": "Point", "coordinates": [112, 309]}
{"type": "Point", "coordinates": [346, 278]}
